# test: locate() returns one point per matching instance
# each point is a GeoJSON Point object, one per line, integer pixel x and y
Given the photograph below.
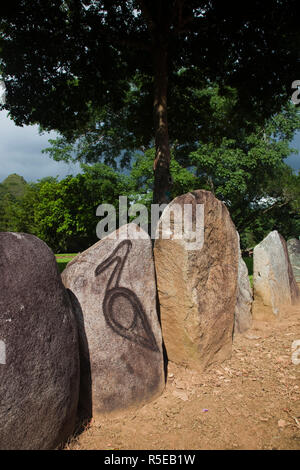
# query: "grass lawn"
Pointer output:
{"type": "Point", "coordinates": [249, 263]}
{"type": "Point", "coordinates": [63, 259]}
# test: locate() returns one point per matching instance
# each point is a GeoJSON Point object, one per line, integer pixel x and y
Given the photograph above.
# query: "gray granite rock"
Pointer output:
{"type": "Point", "coordinates": [243, 315]}
{"type": "Point", "coordinates": [39, 360]}
{"type": "Point", "coordinates": [112, 286]}
{"type": "Point", "coordinates": [294, 289]}
{"type": "Point", "coordinates": [293, 246]}
{"type": "Point", "coordinates": [273, 280]}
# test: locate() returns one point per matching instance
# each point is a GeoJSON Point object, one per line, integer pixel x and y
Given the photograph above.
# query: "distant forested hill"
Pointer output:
{"type": "Point", "coordinates": [12, 191]}
{"type": "Point", "coordinates": [14, 185]}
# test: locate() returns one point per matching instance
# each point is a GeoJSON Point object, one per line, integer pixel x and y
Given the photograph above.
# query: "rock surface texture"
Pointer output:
{"type": "Point", "coordinates": [294, 289]}
{"type": "Point", "coordinates": [293, 246]}
{"type": "Point", "coordinates": [39, 359]}
{"type": "Point", "coordinates": [112, 286]}
{"type": "Point", "coordinates": [243, 315]}
{"type": "Point", "coordinates": [273, 280]}
{"type": "Point", "coordinates": [197, 285]}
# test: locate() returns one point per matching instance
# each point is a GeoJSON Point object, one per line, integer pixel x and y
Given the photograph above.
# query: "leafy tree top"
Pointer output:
{"type": "Point", "coordinates": [60, 57]}
{"type": "Point", "coordinates": [111, 66]}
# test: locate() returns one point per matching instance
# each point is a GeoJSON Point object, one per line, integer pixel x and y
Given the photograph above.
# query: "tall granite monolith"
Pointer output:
{"type": "Point", "coordinates": [113, 290]}
{"type": "Point", "coordinates": [197, 279]}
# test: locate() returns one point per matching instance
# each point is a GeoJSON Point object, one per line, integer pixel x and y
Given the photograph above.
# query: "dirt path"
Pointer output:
{"type": "Point", "coordinates": [251, 401]}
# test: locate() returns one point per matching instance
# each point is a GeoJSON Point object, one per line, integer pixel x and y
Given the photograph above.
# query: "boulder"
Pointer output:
{"type": "Point", "coordinates": [39, 359]}
{"type": "Point", "coordinates": [293, 246]}
{"type": "Point", "coordinates": [197, 280]}
{"type": "Point", "coordinates": [112, 286]}
{"type": "Point", "coordinates": [273, 280]}
{"type": "Point", "coordinates": [242, 315]}
{"type": "Point", "coordinates": [294, 289]}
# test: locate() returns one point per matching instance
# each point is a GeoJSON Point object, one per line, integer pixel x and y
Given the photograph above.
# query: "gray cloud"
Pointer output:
{"type": "Point", "coordinates": [20, 152]}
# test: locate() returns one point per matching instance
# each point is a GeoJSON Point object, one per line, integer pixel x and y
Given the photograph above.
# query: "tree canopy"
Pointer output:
{"type": "Point", "coordinates": [248, 173]}
{"type": "Point", "coordinates": [109, 67]}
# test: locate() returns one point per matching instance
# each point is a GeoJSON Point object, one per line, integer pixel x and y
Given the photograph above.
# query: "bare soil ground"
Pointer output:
{"type": "Point", "coordinates": [251, 401]}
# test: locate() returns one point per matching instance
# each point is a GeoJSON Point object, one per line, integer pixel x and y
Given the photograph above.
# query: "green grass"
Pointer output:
{"type": "Point", "coordinates": [249, 263]}
{"type": "Point", "coordinates": [63, 259]}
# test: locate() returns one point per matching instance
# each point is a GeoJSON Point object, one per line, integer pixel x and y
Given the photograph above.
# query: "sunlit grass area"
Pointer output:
{"type": "Point", "coordinates": [63, 259]}
{"type": "Point", "coordinates": [249, 263]}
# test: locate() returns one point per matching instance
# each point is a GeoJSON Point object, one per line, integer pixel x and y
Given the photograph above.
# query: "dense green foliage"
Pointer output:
{"type": "Point", "coordinates": [248, 173]}
{"type": "Point", "coordinates": [63, 213]}
{"type": "Point", "coordinates": [91, 70]}
{"type": "Point", "coordinates": [101, 70]}
{"type": "Point", "coordinates": [80, 52]}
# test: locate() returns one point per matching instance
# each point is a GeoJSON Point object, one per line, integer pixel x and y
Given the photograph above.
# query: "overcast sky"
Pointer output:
{"type": "Point", "coordinates": [20, 152]}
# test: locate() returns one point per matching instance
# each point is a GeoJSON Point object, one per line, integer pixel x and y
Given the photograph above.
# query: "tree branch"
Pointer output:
{"type": "Point", "coordinates": [276, 205]}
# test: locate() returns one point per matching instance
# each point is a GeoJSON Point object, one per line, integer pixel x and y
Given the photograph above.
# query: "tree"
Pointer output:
{"type": "Point", "coordinates": [70, 64]}
{"type": "Point", "coordinates": [64, 213]}
{"type": "Point", "coordinates": [12, 190]}
{"type": "Point", "coordinates": [8, 213]}
{"type": "Point", "coordinates": [141, 179]}
{"type": "Point", "coordinates": [248, 174]}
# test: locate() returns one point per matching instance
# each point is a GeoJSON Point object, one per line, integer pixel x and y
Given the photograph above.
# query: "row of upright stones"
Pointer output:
{"type": "Point", "coordinates": [90, 342]}
{"type": "Point", "coordinates": [274, 280]}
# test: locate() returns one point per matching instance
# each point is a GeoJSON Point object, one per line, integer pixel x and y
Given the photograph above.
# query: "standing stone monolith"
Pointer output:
{"type": "Point", "coordinates": [197, 279]}
{"type": "Point", "coordinates": [242, 314]}
{"type": "Point", "coordinates": [39, 355]}
{"type": "Point", "coordinates": [112, 285]}
{"type": "Point", "coordinates": [294, 289]}
{"type": "Point", "coordinates": [293, 246]}
{"type": "Point", "coordinates": [273, 279]}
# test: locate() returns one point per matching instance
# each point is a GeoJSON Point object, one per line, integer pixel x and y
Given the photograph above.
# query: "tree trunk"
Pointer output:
{"type": "Point", "coordinates": [162, 176]}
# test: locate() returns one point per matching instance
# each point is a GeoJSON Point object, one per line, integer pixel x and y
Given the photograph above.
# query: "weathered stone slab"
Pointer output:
{"type": "Point", "coordinates": [39, 360]}
{"type": "Point", "coordinates": [273, 280]}
{"type": "Point", "coordinates": [112, 285]}
{"type": "Point", "coordinates": [293, 246]}
{"type": "Point", "coordinates": [294, 290]}
{"type": "Point", "coordinates": [198, 287]}
{"type": "Point", "coordinates": [243, 316]}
